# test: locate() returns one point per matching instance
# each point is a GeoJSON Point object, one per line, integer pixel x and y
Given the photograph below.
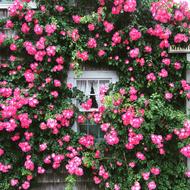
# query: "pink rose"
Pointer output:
{"type": "Point", "coordinates": [134, 53]}
{"type": "Point", "coordinates": [26, 185]}
{"type": "Point", "coordinates": [135, 34]}
{"type": "Point", "coordinates": [151, 185]}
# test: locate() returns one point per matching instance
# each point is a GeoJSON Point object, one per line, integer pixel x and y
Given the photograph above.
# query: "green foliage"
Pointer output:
{"type": "Point", "coordinates": [70, 182]}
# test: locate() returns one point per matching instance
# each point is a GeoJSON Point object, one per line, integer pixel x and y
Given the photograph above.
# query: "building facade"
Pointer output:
{"type": "Point", "coordinates": [89, 83]}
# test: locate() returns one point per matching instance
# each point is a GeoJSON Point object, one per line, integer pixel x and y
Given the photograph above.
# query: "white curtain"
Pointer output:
{"type": "Point", "coordinates": [81, 85]}
{"type": "Point", "coordinates": [86, 86]}
{"type": "Point", "coordinates": [94, 84]}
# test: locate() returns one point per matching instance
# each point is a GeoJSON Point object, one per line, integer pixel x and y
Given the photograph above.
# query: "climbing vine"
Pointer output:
{"type": "Point", "coordinates": [142, 117]}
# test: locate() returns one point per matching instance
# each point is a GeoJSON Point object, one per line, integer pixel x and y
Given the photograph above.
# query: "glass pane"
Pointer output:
{"type": "Point", "coordinates": [83, 129]}
{"type": "Point", "coordinates": [93, 130]}
{"type": "Point", "coordinates": [3, 13]}
{"type": "Point", "coordinates": [72, 2]}
{"type": "Point", "coordinates": [104, 82]}
{"type": "Point", "coordinates": [6, 1]}
{"type": "Point", "coordinates": [92, 84]}
{"type": "Point", "coordinates": [81, 85]}
{"type": "Point", "coordinates": [101, 135]}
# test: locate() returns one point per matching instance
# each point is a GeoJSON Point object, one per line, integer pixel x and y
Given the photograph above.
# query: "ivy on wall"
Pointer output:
{"type": "Point", "coordinates": [146, 130]}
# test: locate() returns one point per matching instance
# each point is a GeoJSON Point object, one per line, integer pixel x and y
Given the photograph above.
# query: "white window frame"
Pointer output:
{"type": "Point", "coordinates": [91, 75]}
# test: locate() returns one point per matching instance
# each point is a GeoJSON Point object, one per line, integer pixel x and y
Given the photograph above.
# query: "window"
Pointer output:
{"type": "Point", "coordinates": [6, 1]}
{"type": "Point", "coordinates": [91, 88]}
{"type": "Point", "coordinates": [4, 4]}
{"type": "Point", "coordinates": [90, 83]}
{"type": "Point", "coordinates": [91, 129]}
{"type": "Point", "coordinates": [3, 13]}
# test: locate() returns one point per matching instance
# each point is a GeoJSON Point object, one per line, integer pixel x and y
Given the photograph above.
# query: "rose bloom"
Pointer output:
{"type": "Point", "coordinates": [135, 34]}
{"type": "Point", "coordinates": [134, 53]}
{"type": "Point", "coordinates": [91, 27]}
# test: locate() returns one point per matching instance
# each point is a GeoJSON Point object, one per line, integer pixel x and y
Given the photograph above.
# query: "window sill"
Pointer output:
{"type": "Point", "coordinates": [88, 111]}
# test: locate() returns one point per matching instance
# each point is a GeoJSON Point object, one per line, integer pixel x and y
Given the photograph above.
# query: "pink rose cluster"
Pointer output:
{"type": "Point", "coordinates": [160, 11]}
{"type": "Point", "coordinates": [25, 146]}
{"type": "Point", "coordinates": [130, 6]}
{"type": "Point", "coordinates": [97, 117]}
{"type": "Point", "coordinates": [61, 120]}
{"type": "Point", "coordinates": [87, 141]}
{"type": "Point", "coordinates": [133, 139]}
{"type": "Point", "coordinates": [54, 159]}
{"type": "Point", "coordinates": [38, 29]}
{"type": "Point", "coordinates": [140, 156]}
{"type": "Point", "coordinates": [120, 5]}
{"type": "Point", "coordinates": [136, 186]}
{"type": "Point", "coordinates": [29, 15]}
{"type": "Point", "coordinates": [10, 110]}
{"type": "Point", "coordinates": [73, 166]}
{"type": "Point", "coordinates": [111, 137]}
{"type": "Point", "coordinates": [6, 92]}
{"type": "Point", "coordinates": [74, 35]}
{"type": "Point", "coordinates": [92, 43]}
{"type": "Point", "coordinates": [4, 168]}
{"type": "Point", "coordinates": [179, 38]}
{"type": "Point", "coordinates": [76, 19]}
{"type": "Point", "coordinates": [186, 88]}
{"type": "Point", "coordinates": [57, 160]}
{"type": "Point", "coordinates": [134, 34]}
{"type": "Point", "coordinates": [50, 29]}
{"type": "Point", "coordinates": [25, 28]}
{"type": "Point", "coordinates": [9, 126]}
{"type": "Point", "coordinates": [29, 164]}
{"type": "Point", "coordinates": [103, 173]}
{"type": "Point", "coordinates": [162, 33]}
{"type": "Point", "coordinates": [29, 76]}
{"type": "Point", "coordinates": [158, 140]}
{"type": "Point", "coordinates": [184, 132]}
{"type": "Point", "coordinates": [24, 120]}
{"type": "Point", "coordinates": [151, 77]}
{"type": "Point", "coordinates": [108, 26]}
{"type": "Point", "coordinates": [51, 51]}
{"type": "Point", "coordinates": [82, 55]}
{"type": "Point", "coordinates": [1, 152]}
{"type": "Point", "coordinates": [116, 39]}
{"type": "Point", "coordinates": [30, 48]}
{"type": "Point", "coordinates": [134, 53]}
{"type": "Point", "coordinates": [87, 105]}
{"type": "Point", "coordinates": [2, 38]}
{"type": "Point", "coordinates": [186, 151]}
{"type": "Point", "coordinates": [129, 118]}
{"type": "Point", "coordinates": [133, 93]}
{"type": "Point", "coordinates": [15, 8]}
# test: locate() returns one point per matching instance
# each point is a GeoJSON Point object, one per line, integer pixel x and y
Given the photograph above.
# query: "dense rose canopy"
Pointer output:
{"type": "Point", "coordinates": [146, 133]}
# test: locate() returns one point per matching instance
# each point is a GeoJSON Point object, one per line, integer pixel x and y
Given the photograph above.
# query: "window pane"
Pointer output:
{"type": "Point", "coordinates": [93, 130]}
{"type": "Point", "coordinates": [6, 1]}
{"type": "Point", "coordinates": [3, 13]}
{"type": "Point", "coordinates": [81, 85]}
{"type": "Point", "coordinates": [104, 82]}
{"type": "Point", "coordinates": [92, 84]}
{"type": "Point", "coordinates": [83, 129]}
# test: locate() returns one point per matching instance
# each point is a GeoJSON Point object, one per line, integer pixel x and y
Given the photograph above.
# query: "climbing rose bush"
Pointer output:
{"type": "Point", "coordinates": [146, 132]}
